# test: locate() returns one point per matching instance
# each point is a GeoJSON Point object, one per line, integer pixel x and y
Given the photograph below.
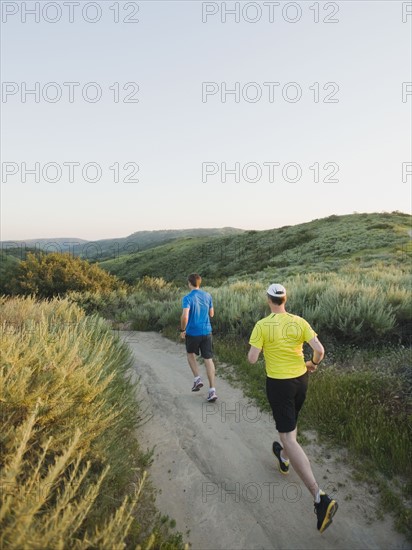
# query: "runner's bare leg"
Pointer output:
{"type": "Point", "coordinates": [299, 460]}
{"type": "Point", "coordinates": [210, 369]}
{"type": "Point", "coordinates": [191, 359]}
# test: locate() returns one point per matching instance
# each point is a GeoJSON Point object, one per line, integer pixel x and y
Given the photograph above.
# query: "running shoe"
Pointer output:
{"type": "Point", "coordinates": [197, 384]}
{"type": "Point", "coordinates": [283, 466]}
{"type": "Point", "coordinates": [325, 510]}
{"type": "Point", "coordinates": [212, 396]}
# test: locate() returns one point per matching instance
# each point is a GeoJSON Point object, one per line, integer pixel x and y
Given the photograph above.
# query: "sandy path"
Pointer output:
{"type": "Point", "coordinates": [216, 473]}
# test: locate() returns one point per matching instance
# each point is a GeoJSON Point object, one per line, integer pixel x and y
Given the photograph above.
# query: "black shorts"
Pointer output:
{"type": "Point", "coordinates": [286, 397]}
{"type": "Point", "coordinates": [194, 344]}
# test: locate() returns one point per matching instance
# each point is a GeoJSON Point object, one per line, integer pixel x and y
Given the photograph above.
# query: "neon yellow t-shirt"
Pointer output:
{"type": "Point", "coordinates": [281, 336]}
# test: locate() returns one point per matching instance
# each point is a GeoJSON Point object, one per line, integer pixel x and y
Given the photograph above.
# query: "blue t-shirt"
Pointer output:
{"type": "Point", "coordinates": [199, 303]}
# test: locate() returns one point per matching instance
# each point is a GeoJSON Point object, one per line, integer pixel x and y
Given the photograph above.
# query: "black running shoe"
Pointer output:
{"type": "Point", "coordinates": [283, 466]}
{"type": "Point", "coordinates": [325, 510]}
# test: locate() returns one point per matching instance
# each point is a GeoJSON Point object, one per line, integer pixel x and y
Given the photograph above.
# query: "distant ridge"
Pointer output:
{"type": "Point", "coordinates": [104, 249]}
{"type": "Point", "coordinates": [31, 242]}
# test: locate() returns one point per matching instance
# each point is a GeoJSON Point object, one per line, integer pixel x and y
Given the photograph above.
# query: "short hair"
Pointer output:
{"type": "Point", "coordinates": [194, 279]}
{"type": "Point", "coordinates": [278, 300]}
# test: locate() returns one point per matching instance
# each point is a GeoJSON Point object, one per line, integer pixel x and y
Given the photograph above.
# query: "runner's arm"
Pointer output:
{"type": "Point", "coordinates": [184, 318]}
{"type": "Point", "coordinates": [211, 312]}
{"type": "Point", "coordinates": [253, 355]}
{"type": "Point", "coordinates": [318, 353]}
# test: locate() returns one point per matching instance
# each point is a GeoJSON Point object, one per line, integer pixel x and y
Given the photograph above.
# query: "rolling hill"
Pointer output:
{"type": "Point", "coordinates": [320, 245]}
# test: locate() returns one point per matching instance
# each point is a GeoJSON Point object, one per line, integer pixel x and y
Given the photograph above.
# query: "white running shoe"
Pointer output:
{"type": "Point", "coordinates": [212, 396]}
{"type": "Point", "coordinates": [197, 384]}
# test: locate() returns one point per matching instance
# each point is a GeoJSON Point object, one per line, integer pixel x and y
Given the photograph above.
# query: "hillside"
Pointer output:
{"type": "Point", "coordinates": [144, 240]}
{"type": "Point", "coordinates": [113, 248]}
{"type": "Point", "coordinates": [321, 245]}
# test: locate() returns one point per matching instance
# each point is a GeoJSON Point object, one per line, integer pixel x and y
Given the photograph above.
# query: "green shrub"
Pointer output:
{"type": "Point", "coordinates": [8, 271]}
{"type": "Point", "coordinates": [48, 275]}
{"type": "Point", "coordinates": [111, 305]}
{"type": "Point", "coordinates": [358, 306]}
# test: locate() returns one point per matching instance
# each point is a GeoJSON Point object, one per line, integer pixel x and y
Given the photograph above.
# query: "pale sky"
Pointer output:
{"type": "Point", "coordinates": [281, 59]}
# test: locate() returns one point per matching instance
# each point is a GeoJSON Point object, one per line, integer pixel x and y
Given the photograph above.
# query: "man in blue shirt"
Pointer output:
{"type": "Point", "coordinates": [195, 327]}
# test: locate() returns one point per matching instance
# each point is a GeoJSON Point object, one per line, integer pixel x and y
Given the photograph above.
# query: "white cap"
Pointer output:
{"type": "Point", "coordinates": [276, 290]}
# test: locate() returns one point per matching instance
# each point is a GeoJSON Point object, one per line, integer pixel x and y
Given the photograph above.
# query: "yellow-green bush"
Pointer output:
{"type": "Point", "coordinates": [72, 475]}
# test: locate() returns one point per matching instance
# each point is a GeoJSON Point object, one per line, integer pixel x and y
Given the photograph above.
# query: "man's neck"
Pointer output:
{"type": "Point", "coordinates": [274, 308]}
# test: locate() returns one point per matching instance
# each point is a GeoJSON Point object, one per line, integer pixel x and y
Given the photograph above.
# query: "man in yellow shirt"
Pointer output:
{"type": "Point", "coordinates": [281, 336]}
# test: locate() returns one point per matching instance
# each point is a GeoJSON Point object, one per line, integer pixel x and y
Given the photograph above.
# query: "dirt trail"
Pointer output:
{"type": "Point", "coordinates": [218, 478]}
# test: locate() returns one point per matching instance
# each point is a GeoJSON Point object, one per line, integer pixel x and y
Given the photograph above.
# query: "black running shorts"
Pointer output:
{"type": "Point", "coordinates": [286, 397]}
{"type": "Point", "coordinates": [202, 344]}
